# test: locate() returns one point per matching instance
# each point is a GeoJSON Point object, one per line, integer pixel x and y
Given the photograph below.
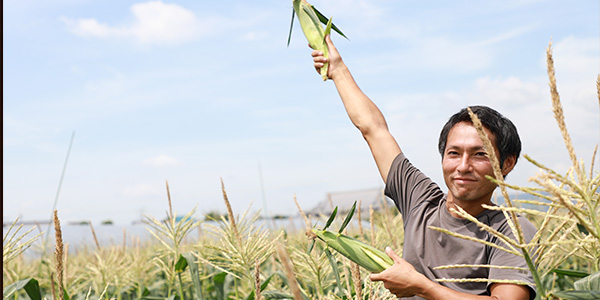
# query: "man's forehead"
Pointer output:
{"type": "Point", "coordinates": [465, 134]}
{"type": "Point", "coordinates": [468, 127]}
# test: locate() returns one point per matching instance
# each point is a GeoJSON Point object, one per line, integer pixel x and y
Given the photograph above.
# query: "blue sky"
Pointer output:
{"type": "Point", "coordinates": [195, 91]}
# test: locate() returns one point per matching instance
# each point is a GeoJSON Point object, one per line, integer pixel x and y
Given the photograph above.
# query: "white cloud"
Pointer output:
{"type": "Point", "coordinates": [576, 64]}
{"type": "Point", "coordinates": [18, 131]}
{"type": "Point", "coordinates": [91, 28]}
{"type": "Point", "coordinates": [577, 54]}
{"type": "Point", "coordinates": [506, 93]}
{"type": "Point", "coordinates": [505, 36]}
{"type": "Point", "coordinates": [159, 22]}
{"type": "Point", "coordinates": [154, 22]}
{"type": "Point", "coordinates": [255, 36]}
{"type": "Point", "coordinates": [139, 190]}
{"type": "Point", "coordinates": [161, 161]}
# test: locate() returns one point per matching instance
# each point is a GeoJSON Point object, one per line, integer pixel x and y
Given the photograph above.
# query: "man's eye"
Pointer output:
{"type": "Point", "coordinates": [481, 154]}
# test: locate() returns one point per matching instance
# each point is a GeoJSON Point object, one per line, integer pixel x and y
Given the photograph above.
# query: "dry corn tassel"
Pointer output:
{"type": "Point", "coordinates": [313, 31]}
{"type": "Point", "coordinates": [359, 252]}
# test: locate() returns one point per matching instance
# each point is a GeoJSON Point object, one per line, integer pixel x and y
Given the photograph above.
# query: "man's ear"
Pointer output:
{"type": "Point", "coordinates": [508, 165]}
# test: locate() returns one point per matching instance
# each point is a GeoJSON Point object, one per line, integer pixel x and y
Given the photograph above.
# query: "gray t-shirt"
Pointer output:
{"type": "Point", "coordinates": [422, 204]}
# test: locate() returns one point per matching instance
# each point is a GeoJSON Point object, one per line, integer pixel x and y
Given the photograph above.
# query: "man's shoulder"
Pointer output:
{"type": "Point", "coordinates": [410, 188]}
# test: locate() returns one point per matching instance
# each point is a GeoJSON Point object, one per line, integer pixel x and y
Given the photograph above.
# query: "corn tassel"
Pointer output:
{"type": "Point", "coordinates": [313, 31]}
{"type": "Point", "coordinates": [361, 253]}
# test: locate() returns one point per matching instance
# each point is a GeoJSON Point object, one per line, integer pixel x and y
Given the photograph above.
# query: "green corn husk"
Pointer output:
{"type": "Point", "coordinates": [366, 256]}
{"type": "Point", "coordinates": [313, 31]}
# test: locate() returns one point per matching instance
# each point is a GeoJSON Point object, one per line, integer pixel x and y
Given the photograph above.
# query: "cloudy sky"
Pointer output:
{"type": "Point", "coordinates": [190, 92]}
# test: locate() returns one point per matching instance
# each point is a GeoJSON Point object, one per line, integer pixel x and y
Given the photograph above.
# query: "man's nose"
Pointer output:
{"type": "Point", "coordinates": [464, 165]}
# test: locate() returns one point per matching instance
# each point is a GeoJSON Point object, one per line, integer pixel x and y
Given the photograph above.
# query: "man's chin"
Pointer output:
{"type": "Point", "coordinates": [463, 196]}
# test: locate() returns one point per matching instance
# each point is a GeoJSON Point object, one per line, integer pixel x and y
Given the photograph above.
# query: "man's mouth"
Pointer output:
{"type": "Point", "coordinates": [464, 180]}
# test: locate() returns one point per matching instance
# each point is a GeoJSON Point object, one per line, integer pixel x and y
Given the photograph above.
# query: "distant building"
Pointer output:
{"type": "Point", "coordinates": [376, 198]}
{"type": "Point", "coordinates": [344, 200]}
{"type": "Point", "coordinates": [35, 223]}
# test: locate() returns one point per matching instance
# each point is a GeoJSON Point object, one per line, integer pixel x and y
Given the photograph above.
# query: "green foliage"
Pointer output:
{"type": "Point", "coordinates": [590, 282]}
{"type": "Point", "coordinates": [220, 265]}
{"type": "Point", "coordinates": [12, 245]}
{"type": "Point", "coordinates": [585, 288]}
{"type": "Point", "coordinates": [30, 286]}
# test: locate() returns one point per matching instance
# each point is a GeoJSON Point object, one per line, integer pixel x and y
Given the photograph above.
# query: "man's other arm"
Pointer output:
{"type": "Point", "coordinates": [403, 280]}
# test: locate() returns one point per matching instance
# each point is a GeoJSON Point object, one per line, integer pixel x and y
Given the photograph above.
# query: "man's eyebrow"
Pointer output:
{"type": "Point", "coordinates": [449, 147]}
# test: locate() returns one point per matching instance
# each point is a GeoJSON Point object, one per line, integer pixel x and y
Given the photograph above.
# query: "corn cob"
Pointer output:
{"type": "Point", "coordinates": [313, 31]}
{"type": "Point", "coordinates": [361, 253]}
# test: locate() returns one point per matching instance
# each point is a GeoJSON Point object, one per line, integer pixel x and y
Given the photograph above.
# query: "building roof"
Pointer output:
{"type": "Point", "coordinates": [344, 200]}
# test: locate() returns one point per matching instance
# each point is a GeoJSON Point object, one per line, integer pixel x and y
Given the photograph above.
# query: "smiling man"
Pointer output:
{"type": "Point", "coordinates": [465, 165]}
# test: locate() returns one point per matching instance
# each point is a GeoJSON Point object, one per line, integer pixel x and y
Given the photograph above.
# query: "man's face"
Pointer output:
{"type": "Point", "coordinates": [465, 165]}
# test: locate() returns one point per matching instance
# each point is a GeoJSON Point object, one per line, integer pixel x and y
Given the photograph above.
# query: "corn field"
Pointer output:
{"type": "Point", "coordinates": [234, 258]}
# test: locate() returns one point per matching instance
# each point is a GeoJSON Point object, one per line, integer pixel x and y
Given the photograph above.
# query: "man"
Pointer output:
{"type": "Point", "coordinates": [465, 164]}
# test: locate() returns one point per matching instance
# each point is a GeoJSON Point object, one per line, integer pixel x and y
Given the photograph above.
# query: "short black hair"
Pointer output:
{"type": "Point", "coordinates": [507, 137]}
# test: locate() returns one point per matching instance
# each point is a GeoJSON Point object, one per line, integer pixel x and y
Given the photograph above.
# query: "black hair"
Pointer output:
{"type": "Point", "coordinates": [507, 137]}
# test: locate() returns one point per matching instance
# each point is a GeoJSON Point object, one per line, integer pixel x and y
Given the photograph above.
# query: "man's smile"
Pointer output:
{"type": "Point", "coordinates": [464, 180]}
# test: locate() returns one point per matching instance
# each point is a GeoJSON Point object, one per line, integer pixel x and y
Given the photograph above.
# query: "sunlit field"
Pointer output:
{"type": "Point", "coordinates": [236, 257]}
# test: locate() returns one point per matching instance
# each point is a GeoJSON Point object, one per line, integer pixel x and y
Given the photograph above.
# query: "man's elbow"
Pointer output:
{"type": "Point", "coordinates": [369, 128]}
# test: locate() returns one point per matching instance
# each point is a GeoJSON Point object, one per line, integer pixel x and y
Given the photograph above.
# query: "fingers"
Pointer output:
{"type": "Point", "coordinates": [375, 277]}
{"type": "Point", "coordinates": [316, 53]}
{"type": "Point", "coordinates": [397, 260]}
{"type": "Point", "coordinates": [393, 255]}
{"type": "Point", "coordinates": [318, 59]}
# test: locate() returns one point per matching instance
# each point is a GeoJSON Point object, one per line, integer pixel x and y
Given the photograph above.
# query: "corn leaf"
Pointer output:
{"type": "Point", "coordinates": [181, 264]}
{"type": "Point", "coordinates": [263, 286]}
{"type": "Point", "coordinates": [582, 229]}
{"type": "Point", "coordinates": [145, 293]}
{"type": "Point", "coordinates": [311, 246]}
{"type": "Point", "coordinates": [571, 273]}
{"type": "Point", "coordinates": [331, 218]}
{"type": "Point", "coordinates": [291, 27]}
{"type": "Point", "coordinates": [30, 286]}
{"type": "Point", "coordinates": [578, 295]}
{"type": "Point", "coordinates": [219, 284]}
{"type": "Point", "coordinates": [194, 273]}
{"type": "Point", "coordinates": [327, 31]}
{"type": "Point", "coordinates": [591, 282]}
{"type": "Point", "coordinates": [336, 271]}
{"type": "Point", "coordinates": [348, 218]}
{"type": "Point", "coordinates": [324, 20]}
{"type": "Point", "coordinates": [276, 295]}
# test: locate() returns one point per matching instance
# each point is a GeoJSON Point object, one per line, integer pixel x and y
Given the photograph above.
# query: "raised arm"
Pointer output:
{"type": "Point", "coordinates": [363, 113]}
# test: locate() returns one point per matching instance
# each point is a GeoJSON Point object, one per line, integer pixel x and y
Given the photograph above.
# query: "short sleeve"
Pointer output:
{"type": "Point", "coordinates": [407, 186]}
